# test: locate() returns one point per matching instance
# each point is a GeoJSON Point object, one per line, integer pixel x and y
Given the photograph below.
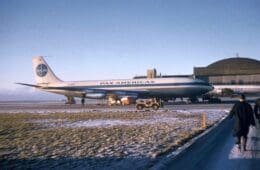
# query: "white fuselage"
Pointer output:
{"type": "Point", "coordinates": [155, 87]}
{"type": "Point", "coordinates": [175, 87]}
{"type": "Point", "coordinates": [239, 89]}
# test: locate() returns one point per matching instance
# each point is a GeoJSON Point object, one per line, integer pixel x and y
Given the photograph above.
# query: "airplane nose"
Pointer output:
{"type": "Point", "coordinates": [211, 87]}
{"type": "Point", "coordinates": [208, 87]}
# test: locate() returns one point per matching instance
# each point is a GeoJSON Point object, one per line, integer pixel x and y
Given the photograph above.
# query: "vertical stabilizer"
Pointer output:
{"type": "Point", "coordinates": [43, 73]}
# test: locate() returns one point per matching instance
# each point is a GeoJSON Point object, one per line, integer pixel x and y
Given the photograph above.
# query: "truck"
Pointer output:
{"type": "Point", "coordinates": [148, 103]}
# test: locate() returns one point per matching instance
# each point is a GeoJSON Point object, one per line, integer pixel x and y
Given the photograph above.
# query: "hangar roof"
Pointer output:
{"type": "Point", "coordinates": [230, 66]}
{"type": "Point", "coordinates": [236, 62]}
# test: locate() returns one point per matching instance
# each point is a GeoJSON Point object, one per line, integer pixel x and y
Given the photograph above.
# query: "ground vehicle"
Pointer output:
{"type": "Point", "coordinates": [148, 103]}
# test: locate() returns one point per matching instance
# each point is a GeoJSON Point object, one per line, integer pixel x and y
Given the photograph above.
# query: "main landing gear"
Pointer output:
{"type": "Point", "coordinates": [70, 100]}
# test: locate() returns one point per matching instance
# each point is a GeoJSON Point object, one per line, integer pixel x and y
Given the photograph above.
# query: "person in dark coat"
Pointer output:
{"type": "Point", "coordinates": [257, 109]}
{"type": "Point", "coordinates": [243, 115]}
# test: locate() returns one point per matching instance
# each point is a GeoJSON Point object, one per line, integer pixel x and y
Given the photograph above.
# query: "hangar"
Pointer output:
{"type": "Point", "coordinates": [230, 71]}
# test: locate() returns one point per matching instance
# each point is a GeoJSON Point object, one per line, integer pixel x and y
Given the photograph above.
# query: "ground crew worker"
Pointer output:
{"type": "Point", "coordinates": [82, 101]}
{"type": "Point", "coordinates": [243, 115]}
{"type": "Point", "coordinates": [257, 109]}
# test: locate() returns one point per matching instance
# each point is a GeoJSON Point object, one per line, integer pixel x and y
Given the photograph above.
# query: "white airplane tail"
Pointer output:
{"type": "Point", "coordinates": [43, 73]}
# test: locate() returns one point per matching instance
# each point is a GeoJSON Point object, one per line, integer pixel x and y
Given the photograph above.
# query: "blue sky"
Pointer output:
{"type": "Point", "coordinates": [107, 39]}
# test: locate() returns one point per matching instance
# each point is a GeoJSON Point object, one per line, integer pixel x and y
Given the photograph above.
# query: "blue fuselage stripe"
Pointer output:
{"type": "Point", "coordinates": [144, 85]}
{"type": "Point", "coordinates": [104, 87]}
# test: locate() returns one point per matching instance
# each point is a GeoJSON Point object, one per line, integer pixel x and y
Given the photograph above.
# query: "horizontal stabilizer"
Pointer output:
{"type": "Point", "coordinates": [30, 85]}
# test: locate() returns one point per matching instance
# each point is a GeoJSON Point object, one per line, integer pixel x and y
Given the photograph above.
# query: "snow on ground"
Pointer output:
{"type": "Point", "coordinates": [106, 122]}
{"type": "Point", "coordinates": [212, 116]}
{"type": "Point", "coordinates": [112, 138]}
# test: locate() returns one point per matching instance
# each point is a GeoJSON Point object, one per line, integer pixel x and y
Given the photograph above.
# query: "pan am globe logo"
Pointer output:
{"type": "Point", "coordinates": [41, 70]}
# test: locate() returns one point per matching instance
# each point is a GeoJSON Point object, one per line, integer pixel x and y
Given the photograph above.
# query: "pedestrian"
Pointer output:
{"type": "Point", "coordinates": [257, 109]}
{"type": "Point", "coordinates": [82, 101]}
{"type": "Point", "coordinates": [243, 117]}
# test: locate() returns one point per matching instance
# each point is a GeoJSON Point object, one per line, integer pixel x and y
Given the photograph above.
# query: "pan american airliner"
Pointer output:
{"type": "Point", "coordinates": [160, 88]}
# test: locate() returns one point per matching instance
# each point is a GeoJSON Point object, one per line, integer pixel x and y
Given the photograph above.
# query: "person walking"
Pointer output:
{"type": "Point", "coordinates": [243, 117]}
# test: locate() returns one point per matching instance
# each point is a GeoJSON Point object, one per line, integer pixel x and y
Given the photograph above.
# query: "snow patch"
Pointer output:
{"type": "Point", "coordinates": [104, 122]}
{"type": "Point", "coordinates": [212, 115]}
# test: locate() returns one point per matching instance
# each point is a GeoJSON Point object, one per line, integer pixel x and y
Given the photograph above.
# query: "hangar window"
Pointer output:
{"type": "Point", "coordinates": [241, 82]}
{"type": "Point", "coordinates": [233, 81]}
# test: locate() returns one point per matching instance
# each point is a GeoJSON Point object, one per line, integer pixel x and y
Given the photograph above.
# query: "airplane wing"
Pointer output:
{"type": "Point", "coordinates": [98, 92]}
{"type": "Point", "coordinates": [88, 92]}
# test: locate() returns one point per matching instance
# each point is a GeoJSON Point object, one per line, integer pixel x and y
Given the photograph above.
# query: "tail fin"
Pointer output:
{"type": "Point", "coordinates": [43, 73]}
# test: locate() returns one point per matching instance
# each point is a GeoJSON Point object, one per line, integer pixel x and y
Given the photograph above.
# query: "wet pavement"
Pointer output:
{"type": "Point", "coordinates": [218, 151]}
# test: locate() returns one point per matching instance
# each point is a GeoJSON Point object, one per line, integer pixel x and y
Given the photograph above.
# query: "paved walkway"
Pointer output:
{"type": "Point", "coordinates": [220, 153]}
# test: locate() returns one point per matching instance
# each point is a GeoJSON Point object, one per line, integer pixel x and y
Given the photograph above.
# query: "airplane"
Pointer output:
{"type": "Point", "coordinates": [158, 88]}
{"type": "Point", "coordinates": [236, 89]}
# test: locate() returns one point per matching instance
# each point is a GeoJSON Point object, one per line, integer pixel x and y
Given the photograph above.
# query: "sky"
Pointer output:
{"type": "Point", "coordinates": [111, 39]}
